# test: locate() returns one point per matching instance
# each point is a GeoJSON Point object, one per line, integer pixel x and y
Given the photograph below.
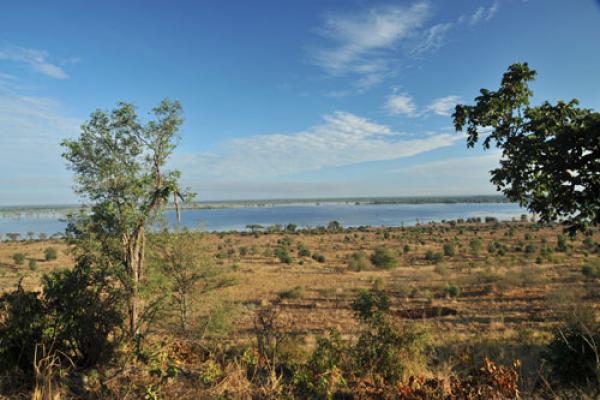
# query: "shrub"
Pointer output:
{"type": "Point", "coordinates": [382, 257]}
{"type": "Point", "coordinates": [432, 257]}
{"type": "Point", "coordinates": [452, 290]}
{"type": "Point", "coordinates": [406, 249]}
{"type": "Point", "coordinates": [19, 258]}
{"type": "Point", "coordinates": [50, 253]}
{"type": "Point", "coordinates": [32, 264]}
{"type": "Point", "coordinates": [573, 354]}
{"type": "Point", "coordinates": [282, 254]}
{"type": "Point", "coordinates": [561, 243]}
{"type": "Point", "coordinates": [530, 248]}
{"type": "Point", "coordinates": [74, 316]}
{"type": "Point", "coordinates": [383, 348]}
{"type": "Point", "coordinates": [475, 246]}
{"type": "Point", "coordinates": [292, 294]}
{"type": "Point", "coordinates": [358, 261]}
{"type": "Point", "coordinates": [303, 250]}
{"type": "Point", "coordinates": [318, 257]}
{"type": "Point", "coordinates": [591, 270]}
{"type": "Point", "coordinates": [449, 250]}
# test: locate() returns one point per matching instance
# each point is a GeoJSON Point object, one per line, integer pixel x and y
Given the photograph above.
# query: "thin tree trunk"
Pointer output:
{"type": "Point", "coordinates": [135, 261]}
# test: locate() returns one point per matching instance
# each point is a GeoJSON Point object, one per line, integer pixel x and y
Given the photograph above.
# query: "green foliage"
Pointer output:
{"type": "Point", "coordinates": [32, 264]}
{"type": "Point", "coordinates": [530, 248]}
{"type": "Point", "coordinates": [452, 290]}
{"type": "Point", "coordinates": [18, 258]}
{"type": "Point", "coordinates": [74, 316]}
{"type": "Point", "coordinates": [318, 257]}
{"type": "Point", "coordinates": [549, 152]}
{"type": "Point", "coordinates": [303, 251]}
{"type": "Point", "coordinates": [182, 272]}
{"type": "Point", "coordinates": [574, 354]}
{"type": "Point", "coordinates": [432, 257]}
{"type": "Point", "coordinates": [383, 349]}
{"type": "Point", "coordinates": [22, 324]}
{"type": "Point", "coordinates": [449, 250]}
{"type": "Point", "coordinates": [320, 377]}
{"type": "Point", "coordinates": [358, 261]}
{"type": "Point", "coordinates": [406, 249]}
{"type": "Point", "coordinates": [475, 246]}
{"type": "Point", "coordinates": [50, 253]}
{"type": "Point", "coordinates": [591, 270]}
{"type": "Point", "coordinates": [383, 258]}
{"type": "Point", "coordinates": [281, 252]}
{"type": "Point", "coordinates": [118, 163]}
{"type": "Point", "coordinates": [561, 243]}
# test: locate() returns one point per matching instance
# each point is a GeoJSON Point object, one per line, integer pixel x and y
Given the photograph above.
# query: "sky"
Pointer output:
{"type": "Point", "coordinates": [283, 99]}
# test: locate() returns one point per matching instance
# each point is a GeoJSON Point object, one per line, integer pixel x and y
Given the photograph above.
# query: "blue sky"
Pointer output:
{"type": "Point", "coordinates": [282, 98]}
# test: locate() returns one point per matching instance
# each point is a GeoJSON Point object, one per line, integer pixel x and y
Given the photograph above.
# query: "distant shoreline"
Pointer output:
{"type": "Point", "coordinates": [7, 211]}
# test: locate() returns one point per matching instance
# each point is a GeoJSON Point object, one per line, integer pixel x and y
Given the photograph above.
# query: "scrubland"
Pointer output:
{"type": "Point", "coordinates": [475, 291]}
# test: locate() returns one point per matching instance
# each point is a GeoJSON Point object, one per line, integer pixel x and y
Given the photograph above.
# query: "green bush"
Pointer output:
{"type": "Point", "coordinates": [282, 254]}
{"type": "Point", "coordinates": [303, 251]}
{"type": "Point", "coordinates": [561, 243]}
{"type": "Point", "coordinates": [530, 248]}
{"type": "Point", "coordinates": [383, 348]}
{"type": "Point", "coordinates": [358, 261]}
{"type": "Point", "coordinates": [573, 354]}
{"type": "Point", "coordinates": [50, 253]}
{"type": "Point", "coordinates": [75, 314]}
{"type": "Point", "coordinates": [19, 258]}
{"type": "Point", "coordinates": [32, 264]}
{"type": "Point", "coordinates": [591, 270]}
{"type": "Point", "coordinates": [449, 250]}
{"type": "Point", "coordinates": [432, 257]}
{"type": "Point", "coordinates": [475, 245]}
{"type": "Point", "coordinates": [452, 290]}
{"type": "Point", "coordinates": [292, 294]}
{"type": "Point", "coordinates": [383, 258]}
{"type": "Point", "coordinates": [318, 257]}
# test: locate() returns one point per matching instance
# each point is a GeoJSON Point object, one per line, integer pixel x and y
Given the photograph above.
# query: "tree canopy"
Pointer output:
{"type": "Point", "coordinates": [550, 160]}
{"type": "Point", "coordinates": [118, 163]}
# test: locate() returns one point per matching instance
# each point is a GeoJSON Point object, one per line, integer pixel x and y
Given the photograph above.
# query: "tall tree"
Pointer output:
{"type": "Point", "coordinates": [118, 162]}
{"type": "Point", "coordinates": [550, 153]}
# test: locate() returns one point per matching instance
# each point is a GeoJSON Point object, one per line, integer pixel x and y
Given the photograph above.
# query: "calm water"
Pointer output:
{"type": "Point", "coordinates": [302, 215]}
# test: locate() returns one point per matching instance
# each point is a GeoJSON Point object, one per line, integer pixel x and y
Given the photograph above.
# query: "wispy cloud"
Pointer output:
{"type": "Point", "coordinates": [397, 104]}
{"type": "Point", "coordinates": [38, 60]}
{"type": "Point", "coordinates": [404, 104]}
{"type": "Point", "coordinates": [370, 43]}
{"type": "Point", "coordinates": [361, 43]}
{"type": "Point", "coordinates": [31, 165]}
{"type": "Point", "coordinates": [482, 14]}
{"type": "Point", "coordinates": [342, 139]}
{"type": "Point", "coordinates": [444, 105]}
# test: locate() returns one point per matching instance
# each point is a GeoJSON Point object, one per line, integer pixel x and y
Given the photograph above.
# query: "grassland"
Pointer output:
{"type": "Point", "coordinates": [483, 289]}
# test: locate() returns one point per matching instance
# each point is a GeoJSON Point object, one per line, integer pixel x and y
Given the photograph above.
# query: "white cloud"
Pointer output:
{"type": "Point", "coordinates": [36, 59]}
{"type": "Point", "coordinates": [444, 105]}
{"type": "Point", "coordinates": [401, 104]}
{"type": "Point", "coordinates": [30, 155]}
{"type": "Point", "coordinates": [482, 14]}
{"type": "Point", "coordinates": [371, 43]}
{"type": "Point", "coordinates": [432, 39]}
{"type": "Point", "coordinates": [361, 43]}
{"type": "Point", "coordinates": [342, 139]}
